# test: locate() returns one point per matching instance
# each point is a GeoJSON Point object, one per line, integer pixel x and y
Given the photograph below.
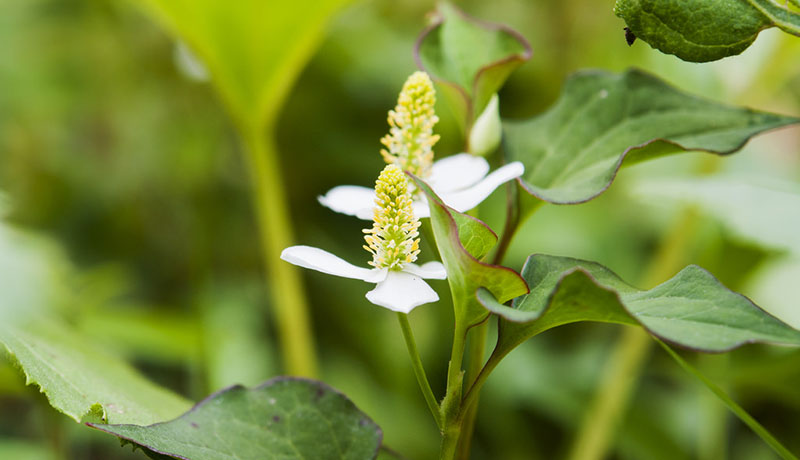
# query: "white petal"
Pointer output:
{"type": "Point", "coordinates": [352, 200]}
{"type": "Point", "coordinates": [457, 172]}
{"type": "Point", "coordinates": [420, 207]}
{"type": "Point", "coordinates": [325, 262]}
{"type": "Point", "coordinates": [464, 200]}
{"type": "Point", "coordinates": [430, 270]}
{"type": "Point", "coordinates": [402, 292]}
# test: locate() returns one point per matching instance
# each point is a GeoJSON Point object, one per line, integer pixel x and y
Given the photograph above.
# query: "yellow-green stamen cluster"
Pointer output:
{"type": "Point", "coordinates": [393, 239]}
{"type": "Point", "coordinates": [410, 140]}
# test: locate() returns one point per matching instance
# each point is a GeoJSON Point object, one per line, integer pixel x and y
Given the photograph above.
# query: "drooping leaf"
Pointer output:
{"type": "Point", "coordinates": [80, 379]}
{"type": "Point", "coordinates": [471, 58]}
{"type": "Point", "coordinates": [462, 240]}
{"type": "Point", "coordinates": [767, 214]}
{"type": "Point", "coordinates": [703, 30]}
{"type": "Point", "coordinates": [573, 151]}
{"type": "Point", "coordinates": [284, 418]}
{"type": "Point", "coordinates": [253, 49]}
{"type": "Point", "coordinates": [693, 309]}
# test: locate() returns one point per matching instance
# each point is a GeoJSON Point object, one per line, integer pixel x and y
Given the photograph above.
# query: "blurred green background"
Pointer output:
{"type": "Point", "coordinates": [132, 167]}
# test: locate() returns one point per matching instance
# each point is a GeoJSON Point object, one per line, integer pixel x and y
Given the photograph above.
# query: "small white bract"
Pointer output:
{"type": "Point", "coordinates": [394, 244]}
{"type": "Point", "coordinates": [461, 181]}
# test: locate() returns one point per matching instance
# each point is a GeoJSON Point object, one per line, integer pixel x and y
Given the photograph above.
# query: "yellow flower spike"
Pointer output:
{"type": "Point", "coordinates": [410, 140]}
{"type": "Point", "coordinates": [393, 239]}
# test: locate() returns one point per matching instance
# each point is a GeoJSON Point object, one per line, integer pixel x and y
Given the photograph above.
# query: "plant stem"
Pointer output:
{"type": "Point", "coordinates": [451, 404]}
{"type": "Point", "coordinates": [476, 346]}
{"type": "Point", "coordinates": [275, 230]}
{"type": "Point", "coordinates": [419, 370]}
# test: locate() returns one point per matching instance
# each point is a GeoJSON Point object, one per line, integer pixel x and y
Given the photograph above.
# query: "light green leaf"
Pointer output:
{"type": "Point", "coordinates": [253, 49]}
{"type": "Point", "coordinates": [767, 214]}
{"type": "Point", "coordinates": [692, 309]}
{"type": "Point", "coordinates": [79, 378]}
{"type": "Point", "coordinates": [472, 59]}
{"type": "Point", "coordinates": [573, 151]}
{"type": "Point", "coordinates": [284, 418]}
{"type": "Point", "coordinates": [462, 240]}
{"type": "Point", "coordinates": [704, 30]}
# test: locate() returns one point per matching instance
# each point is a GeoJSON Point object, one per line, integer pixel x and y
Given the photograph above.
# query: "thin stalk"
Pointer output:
{"type": "Point", "coordinates": [419, 370]}
{"type": "Point", "coordinates": [275, 230]}
{"type": "Point", "coordinates": [471, 398]}
{"type": "Point", "coordinates": [476, 346]}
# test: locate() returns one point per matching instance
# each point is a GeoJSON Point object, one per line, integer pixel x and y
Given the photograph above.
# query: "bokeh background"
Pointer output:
{"type": "Point", "coordinates": [127, 170]}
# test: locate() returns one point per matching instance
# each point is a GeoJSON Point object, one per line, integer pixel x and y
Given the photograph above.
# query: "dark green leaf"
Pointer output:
{"type": "Point", "coordinates": [573, 151]}
{"type": "Point", "coordinates": [284, 418]}
{"type": "Point", "coordinates": [470, 57]}
{"type": "Point", "coordinates": [461, 241]}
{"type": "Point", "coordinates": [692, 309]}
{"type": "Point", "coordinates": [703, 30]}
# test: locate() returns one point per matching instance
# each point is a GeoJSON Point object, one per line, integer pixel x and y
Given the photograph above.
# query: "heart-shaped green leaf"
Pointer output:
{"type": "Point", "coordinates": [253, 49]}
{"type": "Point", "coordinates": [693, 309]}
{"type": "Point", "coordinates": [79, 378]}
{"type": "Point", "coordinates": [462, 240]}
{"type": "Point", "coordinates": [573, 151]}
{"type": "Point", "coordinates": [471, 58]}
{"type": "Point", "coordinates": [286, 418]}
{"type": "Point", "coordinates": [703, 30]}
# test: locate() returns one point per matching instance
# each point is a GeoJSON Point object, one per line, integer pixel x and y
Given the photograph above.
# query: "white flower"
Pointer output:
{"type": "Point", "coordinates": [397, 290]}
{"type": "Point", "coordinates": [393, 242]}
{"type": "Point", "coordinates": [461, 181]}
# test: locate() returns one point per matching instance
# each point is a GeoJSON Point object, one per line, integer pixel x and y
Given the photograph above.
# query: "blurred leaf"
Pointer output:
{"type": "Point", "coordinates": [461, 241]}
{"type": "Point", "coordinates": [775, 286]}
{"type": "Point", "coordinates": [765, 214]}
{"type": "Point", "coordinates": [470, 57]}
{"type": "Point", "coordinates": [692, 309]}
{"type": "Point", "coordinates": [284, 418]}
{"type": "Point", "coordinates": [253, 49]}
{"type": "Point", "coordinates": [573, 151]}
{"type": "Point", "coordinates": [21, 450]}
{"type": "Point", "coordinates": [79, 378]}
{"type": "Point", "coordinates": [701, 31]}
{"type": "Point", "coordinates": [748, 420]}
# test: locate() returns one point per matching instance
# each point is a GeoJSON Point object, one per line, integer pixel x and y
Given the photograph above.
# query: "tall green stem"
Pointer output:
{"type": "Point", "coordinates": [476, 345]}
{"type": "Point", "coordinates": [419, 370]}
{"type": "Point", "coordinates": [451, 405]}
{"type": "Point", "coordinates": [275, 230]}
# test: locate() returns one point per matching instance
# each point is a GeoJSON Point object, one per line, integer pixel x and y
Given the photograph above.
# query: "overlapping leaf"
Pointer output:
{"type": "Point", "coordinates": [462, 240]}
{"type": "Point", "coordinates": [285, 418]}
{"type": "Point", "coordinates": [573, 151]}
{"type": "Point", "coordinates": [692, 309]}
{"type": "Point", "coordinates": [471, 58]}
{"type": "Point", "coordinates": [704, 30]}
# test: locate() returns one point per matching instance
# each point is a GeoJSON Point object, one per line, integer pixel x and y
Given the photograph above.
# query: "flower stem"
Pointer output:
{"type": "Point", "coordinates": [419, 370]}
{"type": "Point", "coordinates": [451, 405]}
{"type": "Point", "coordinates": [275, 230]}
{"type": "Point", "coordinates": [477, 343]}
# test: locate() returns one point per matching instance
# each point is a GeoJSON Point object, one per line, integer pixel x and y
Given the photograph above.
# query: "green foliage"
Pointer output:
{"type": "Point", "coordinates": [692, 309]}
{"type": "Point", "coordinates": [284, 418]}
{"type": "Point", "coordinates": [573, 151]}
{"type": "Point", "coordinates": [461, 241]}
{"type": "Point", "coordinates": [703, 30]}
{"type": "Point", "coordinates": [254, 50]}
{"type": "Point", "coordinates": [471, 58]}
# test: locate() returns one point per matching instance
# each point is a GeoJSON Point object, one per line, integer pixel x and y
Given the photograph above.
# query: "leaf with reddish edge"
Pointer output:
{"type": "Point", "coordinates": [286, 417]}
{"type": "Point", "coordinates": [462, 240]}
{"type": "Point", "coordinates": [693, 309]}
{"type": "Point", "coordinates": [471, 59]}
